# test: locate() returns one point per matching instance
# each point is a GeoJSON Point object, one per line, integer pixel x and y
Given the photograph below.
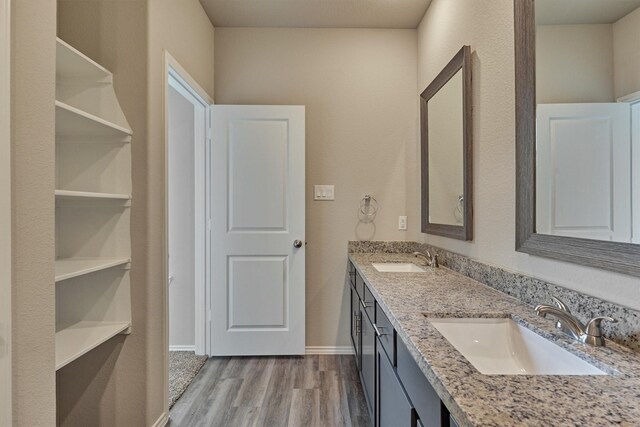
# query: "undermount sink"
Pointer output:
{"type": "Point", "coordinates": [397, 267]}
{"type": "Point", "coordinates": [500, 346]}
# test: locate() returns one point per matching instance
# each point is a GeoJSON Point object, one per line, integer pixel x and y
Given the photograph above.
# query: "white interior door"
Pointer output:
{"type": "Point", "coordinates": [583, 169]}
{"type": "Point", "coordinates": [5, 219]}
{"type": "Point", "coordinates": [258, 212]}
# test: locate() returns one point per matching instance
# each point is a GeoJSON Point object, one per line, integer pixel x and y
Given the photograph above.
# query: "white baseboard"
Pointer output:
{"type": "Point", "coordinates": [344, 349]}
{"type": "Point", "coordinates": [162, 421]}
{"type": "Point", "coordinates": [182, 348]}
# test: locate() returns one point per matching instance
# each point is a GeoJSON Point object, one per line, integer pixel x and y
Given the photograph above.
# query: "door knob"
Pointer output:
{"type": "Point", "coordinates": [297, 244]}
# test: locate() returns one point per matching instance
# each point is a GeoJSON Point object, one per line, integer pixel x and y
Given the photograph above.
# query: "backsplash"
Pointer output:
{"type": "Point", "coordinates": [529, 290]}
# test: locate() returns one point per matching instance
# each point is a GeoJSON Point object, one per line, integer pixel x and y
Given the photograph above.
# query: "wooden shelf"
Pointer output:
{"type": "Point", "coordinates": [80, 338]}
{"type": "Point", "coordinates": [79, 195]}
{"type": "Point", "coordinates": [73, 122]}
{"type": "Point", "coordinates": [67, 268]}
{"type": "Point", "coordinates": [71, 64]}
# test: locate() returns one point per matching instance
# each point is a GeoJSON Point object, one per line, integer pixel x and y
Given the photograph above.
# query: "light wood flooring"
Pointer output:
{"type": "Point", "coordinates": [304, 391]}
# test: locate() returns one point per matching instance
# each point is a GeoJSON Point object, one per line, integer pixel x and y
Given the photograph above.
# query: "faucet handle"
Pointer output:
{"type": "Point", "coordinates": [434, 261]}
{"type": "Point", "coordinates": [560, 304]}
{"type": "Point", "coordinates": [593, 326]}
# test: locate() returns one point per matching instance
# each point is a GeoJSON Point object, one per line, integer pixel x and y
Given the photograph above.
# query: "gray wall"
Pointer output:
{"type": "Point", "coordinates": [626, 54]}
{"type": "Point", "coordinates": [32, 150]}
{"type": "Point", "coordinates": [574, 63]}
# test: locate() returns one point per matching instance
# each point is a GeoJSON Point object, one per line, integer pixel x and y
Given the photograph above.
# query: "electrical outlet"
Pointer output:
{"type": "Point", "coordinates": [402, 223]}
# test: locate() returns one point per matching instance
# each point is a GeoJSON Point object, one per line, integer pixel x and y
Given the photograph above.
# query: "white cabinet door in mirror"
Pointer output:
{"type": "Point", "coordinates": [584, 171]}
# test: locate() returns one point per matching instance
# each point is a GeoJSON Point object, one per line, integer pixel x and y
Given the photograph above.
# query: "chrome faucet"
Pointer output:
{"type": "Point", "coordinates": [590, 334]}
{"type": "Point", "coordinates": [562, 306]}
{"type": "Point", "coordinates": [429, 260]}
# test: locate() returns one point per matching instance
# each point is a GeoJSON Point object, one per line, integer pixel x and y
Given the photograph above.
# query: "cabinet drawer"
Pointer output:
{"type": "Point", "coordinates": [369, 302]}
{"type": "Point", "coordinates": [352, 273]}
{"type": "Point", "coordinates": [387, 334]}
{"type": "Point", "coordinates": [422, 395]}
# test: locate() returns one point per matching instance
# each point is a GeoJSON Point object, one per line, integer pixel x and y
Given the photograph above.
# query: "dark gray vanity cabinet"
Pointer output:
{"type": "Point", "coordinates": [363, 339]}
{"type": "Point", "coordinates": [397, 392]}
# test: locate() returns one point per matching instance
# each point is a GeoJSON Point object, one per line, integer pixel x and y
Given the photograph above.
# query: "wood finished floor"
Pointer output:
{"type": "Point", "coordinates": [320, 390]}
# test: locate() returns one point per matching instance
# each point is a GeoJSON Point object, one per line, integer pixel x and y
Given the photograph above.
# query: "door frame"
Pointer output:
{"type": "Point", "coordinates": [6, 407]}
{"type": "Point", "coordinates": [175, 73]}
{"type": "Point", "coordinates": [634, 101]}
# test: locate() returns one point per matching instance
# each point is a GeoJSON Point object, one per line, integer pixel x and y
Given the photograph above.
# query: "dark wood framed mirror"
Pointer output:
{"type": "Point", "coordinates": [446, 133]}
{"type": "Point", "coordinates": [591, 234]}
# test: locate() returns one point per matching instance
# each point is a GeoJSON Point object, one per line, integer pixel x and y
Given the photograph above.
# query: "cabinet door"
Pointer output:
{"type": "Point", "coordinates": [368, 361]}
{"type": "Point", "coordinates": [431, 411]}
{"type": "Point", "coordinates": [356, 321]}
{"type": "Point", "coordinates": [394, 407]}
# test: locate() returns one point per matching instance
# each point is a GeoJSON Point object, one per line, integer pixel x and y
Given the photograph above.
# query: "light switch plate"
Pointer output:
{"type": "Point", "coordinates": [323, 192]}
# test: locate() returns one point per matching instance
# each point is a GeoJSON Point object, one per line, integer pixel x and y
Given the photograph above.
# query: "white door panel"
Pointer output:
{"type": "Point", "coordinates": [261, 148]}
{"type": "Point", "coordinates": [257, 292]}
{"type": "Point", "coordinates": [584, 171]}
{"type": "Point", "coordinates": [257, 205]}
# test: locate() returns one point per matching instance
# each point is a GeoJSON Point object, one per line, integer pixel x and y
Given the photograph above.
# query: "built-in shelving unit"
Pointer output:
{"type": "Point", "coordinates": [93, 193]}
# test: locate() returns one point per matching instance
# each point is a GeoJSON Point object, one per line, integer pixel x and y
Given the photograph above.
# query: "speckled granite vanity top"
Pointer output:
{"type": "Point", "coordinates": [475, 399]}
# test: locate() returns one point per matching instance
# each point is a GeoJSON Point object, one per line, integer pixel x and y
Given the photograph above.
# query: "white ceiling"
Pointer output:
{"type": "Point", "coordinates": [555, 12]}
{"type": "Point", "coordinates": [316, 13]}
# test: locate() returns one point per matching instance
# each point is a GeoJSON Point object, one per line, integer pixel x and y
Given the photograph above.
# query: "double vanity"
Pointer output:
{"type": "Point", "coordinates": [436, 348]}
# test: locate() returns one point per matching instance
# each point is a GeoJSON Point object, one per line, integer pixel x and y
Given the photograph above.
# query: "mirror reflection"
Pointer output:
{"type": "Point", "coordinates": [588, 119]}
{"type": "Point", "coordinates": [446, 168]}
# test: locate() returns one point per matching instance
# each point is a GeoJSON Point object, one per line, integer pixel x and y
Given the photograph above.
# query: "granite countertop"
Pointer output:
{"type": "Point", "coordinates": [475, 399]}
